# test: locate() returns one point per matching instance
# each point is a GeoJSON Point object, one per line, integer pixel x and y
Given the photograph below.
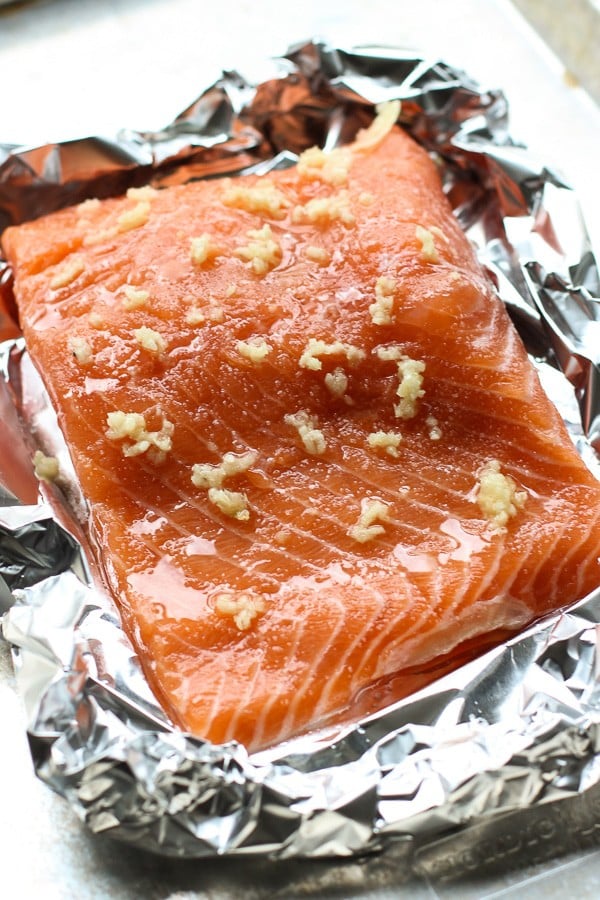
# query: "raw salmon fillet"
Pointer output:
{"type": "Point", "coordinates": [315, 452]}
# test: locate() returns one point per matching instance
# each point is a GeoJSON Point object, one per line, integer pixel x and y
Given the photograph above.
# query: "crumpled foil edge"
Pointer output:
{"type": "Point", "coordinates": [512, 730]}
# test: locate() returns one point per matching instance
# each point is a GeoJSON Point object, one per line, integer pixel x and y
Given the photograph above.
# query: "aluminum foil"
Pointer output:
{"type": "Point", "coordinates": [509, 734]}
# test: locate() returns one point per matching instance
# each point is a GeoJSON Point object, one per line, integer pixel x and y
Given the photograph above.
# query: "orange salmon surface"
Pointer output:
{"type": "Point", "coordinates": [315, 452]}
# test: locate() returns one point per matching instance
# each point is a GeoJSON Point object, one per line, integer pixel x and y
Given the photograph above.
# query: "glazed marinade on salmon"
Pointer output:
{"type": "Point", "coordinates": [315, 452]}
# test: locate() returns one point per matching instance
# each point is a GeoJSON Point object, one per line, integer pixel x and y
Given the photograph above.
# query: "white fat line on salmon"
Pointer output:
{"type": "Point", "coordinates": [372, 511]}
{"type": "Point", "coordinates": [497, 495]}
{"type": "Point", "coordinates": [131, 429]}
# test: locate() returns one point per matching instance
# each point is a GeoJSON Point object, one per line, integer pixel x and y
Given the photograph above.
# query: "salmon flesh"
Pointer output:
{"type": "Point", "coordinates": [315, 452]}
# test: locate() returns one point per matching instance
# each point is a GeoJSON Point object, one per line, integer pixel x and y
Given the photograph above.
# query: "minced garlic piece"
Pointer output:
{"type": "Point", "coordinates": [387, 116]}
{"type": "Point", "coordinates": [69, 272]}
{"type": "Point", "coordinates": [391, 353]}
{"type": "Point", "coordinates": [318, 254]}
{"type": "Point", "coordinates": [365, 529]}
{"type": "Point", "coordinates": [88, 206]}
{"type": "Point", "coordinates": [150, 340]}
{"type": "Point", "coordinates": [336, 382]}
{"type": "Point", "coordinates": [141, 193]}
{"type": "Point", "coordinates": [385, 440]}
{"type": "Point", "coordinates": [213, 314]}
{"type": "Point", "coordinates": [497, 494]}
{"type": "Point", "coordinates": [438, 233]}
{"type": "Point", "coordinates": [195, 316]}
{"type": "Point", "coordinates": [410, 390]}
{"type": "Point", "coordinates": [81, 350]}
{"type": "Point", "coordinates": [205, 475]}
{"type": "Point", "coordinates": [46, 467]}
{"type": "Point", "coordinates": [231, 503]}
{"type": "Point", "coordinates": [134, 218]}
{"type": "Point", "coordinates": [134, 298]}
{"type": "Point", "coordinates": [435, 432]}
{"type": "Point", "coordinates": [131, 427]}
{"type": "Point", "coordinates": [256, 349]}
{"type": "Point", "coordinates": [243, 607]}
{"type": "Point", "coordinates": [263, 199]}
{"type": "Point", "coordinates": [325, 210]}
{"type": "Point", "coordinates": [365, 198]}
{"type": "Point", "coordinates": [315, 348]}
{"type": "Point", "coordinates": [381, 309]}
{"type": "Point", "coordinates": [282, 537]}
{"type": "Point", "coordinates": [306, 426]}
{"type": "Point", "coordinates": [262, 251]}
{"type": "Point", "coordinates": [95, 320]}
{"type": "Point", "coordinates": [231, 290]}
{"type": "Point", "coordinates": [203, 249]}
{"type": "Point", "coordinates": [315, 164]}
{"type": "Point", "coordinates": [428, 249]}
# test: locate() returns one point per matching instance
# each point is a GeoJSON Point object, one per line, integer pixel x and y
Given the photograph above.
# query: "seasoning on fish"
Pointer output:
{"type": "Point", "coordinates": [328, 460]}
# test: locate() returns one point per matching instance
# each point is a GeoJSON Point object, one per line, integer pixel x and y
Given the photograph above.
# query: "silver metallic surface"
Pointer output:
{"type": "Point", "coordinates": [505, 735]}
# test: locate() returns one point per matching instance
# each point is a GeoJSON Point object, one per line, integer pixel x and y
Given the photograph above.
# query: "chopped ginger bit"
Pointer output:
{"type": "Point", "coordinates": [134, 218]}
{"type": "Point", "coordinates": [318, 254]}
{"type": "Point", "coordinates": [336, 382]}
{"type": "Point", "coordinates": [68, 273]}
{"type": "Point", "coordinates": [315, 164]}
{"type": "Point", "coordinates": [435, 432]}
{"type": "Point", "coordinates": [131, 429]}
{"type": "Point", "coordinates": [231, 290]}
{"type": "Point", "coordinates": [455, 275]}
{"type": "Point", "coordinates": [243, 607]}
{"type": "Point", "coordinates": [325, 210]}
{"type": "Point", "coordinates": [306, 426]}
{"type": "Point", "coordinates": [381, 309]}
{"type": "Point", "coordinates": [428, 249]}
{"type": "Point", "coordinates": [150, 340]}
{"type": "Point", "coordinates": [315, 348]}
{"type": "Point", "coordinates": [46, 467]}
{"type": "Point", "coordinates": [282, 537]}
{"type": "Point", "coordinates": [205, 475]}
{"type": "Point", "coordinates": [497, 495]}
{"type": "Point", "coordinates": [369, 138]}
{"type": "Point", "coordinates": [81, 350]}
{"type": "Point", "coordinates": [256, 349]}
{"type": "Point", "coordinates": [141, 193]}
{"type": "Point", "coordinates": [387, 441]}
{"type": "Point", "coordinates": [262, 252]}
{"type": "Point", "coordinates": [203, 249]}
{"type": "Point", "coordinates": [231, 503]}
{"type": "Point", "coordinates": [410, 390]}
{"type": "Point", "coordinates": [371, 511]}
{"type": "Point", "coordinates": [263, 199]}
{"type": "Point", "coordinates": [134, 298]}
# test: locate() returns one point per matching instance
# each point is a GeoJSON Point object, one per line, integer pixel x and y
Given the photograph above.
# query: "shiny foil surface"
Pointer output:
{"type": "Point", "coordinates": [510, 740]}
